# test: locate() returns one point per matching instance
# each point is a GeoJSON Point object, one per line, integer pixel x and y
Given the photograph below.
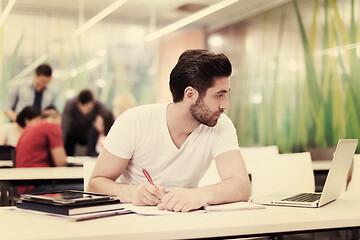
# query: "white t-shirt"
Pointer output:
{"type": "Point", "coordinates": [141, 135]}
{"type": "Point", "coordinates": [11, 133]}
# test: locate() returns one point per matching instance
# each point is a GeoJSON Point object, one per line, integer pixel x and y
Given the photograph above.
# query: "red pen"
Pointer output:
{"type": "Point", "coordinates": [147, 175]}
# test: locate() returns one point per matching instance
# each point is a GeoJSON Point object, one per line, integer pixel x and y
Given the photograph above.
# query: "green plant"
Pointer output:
{"type": "Point", "coordinates": [312, 106]}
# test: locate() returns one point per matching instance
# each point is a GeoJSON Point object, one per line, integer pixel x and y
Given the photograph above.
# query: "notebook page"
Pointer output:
{"type": "Point", "coordinates": [152, 210]}
{"type": "Point", "coordinates": [233, 207]}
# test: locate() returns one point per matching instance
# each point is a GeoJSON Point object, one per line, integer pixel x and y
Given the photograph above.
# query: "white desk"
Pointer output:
{"type": "Point", "coordinates": [70, 160]}
{"type": "Point", "coordinates": [10, 175]}
{"type": "Point", "coordinates": [342, 213]}
{"type": "Point", "coordinates": [318, 165]}
{"type": "Point", "coordinates": [6, 163]}
{"type": "Point", "coordinates": [321, 165]}
{"type": "Point", "coordinates": [18, 174]}
{"type": "Point", "coordinates": [7, 174]}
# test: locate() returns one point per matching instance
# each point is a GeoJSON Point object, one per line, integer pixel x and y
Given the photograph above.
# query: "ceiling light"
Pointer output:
{"type": "Point", "coordinates": [6, 11]}
{"type": "Point", "coordinates": [335, 51]}
{"type": "Point", "coordinates": [257, 98]}
{"type": "Point", "coordinates": [185, 21]}
{"type": "Point", "coordinates": [99, 16]}
{"type": "Point", "coordinates": [216, 41]}
{"type": "Point", "coordinates": [92, 63]}
{"type": "Point", "coordinates": [101, 52]}
{"type": "Point", "coordinates": [70, 93]}
{"type": "Point", "coordinates": [100, 83]}
{"type": "Point", "coordinates": [74, 72]}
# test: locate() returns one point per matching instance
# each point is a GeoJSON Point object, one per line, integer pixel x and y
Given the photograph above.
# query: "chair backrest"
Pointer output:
{"type": "Point", "coordinates": [88, 166]}
{"type": "Point", "coordinates": [6, 152]}
{"type": "Point", "coordinates": [286, 173]}
{"type": "Point", "coordinates": [251, 157]}
{"type": "Point", "coordinates": [211, 176]}
{"type": "Point", "coordinates": [353, 189]}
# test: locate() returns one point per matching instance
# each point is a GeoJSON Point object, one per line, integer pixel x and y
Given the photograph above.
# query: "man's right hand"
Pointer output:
{"type": "Point", "coordinates": [146, 194]}
{"type": "Point", "coordinates": [11, 115]}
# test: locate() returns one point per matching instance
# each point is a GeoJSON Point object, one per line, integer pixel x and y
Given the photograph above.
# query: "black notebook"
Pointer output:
{"type": "Point", "coordinates": [68, 197]}
{"type": "Point", "coordinates": [70, 210]}
{"type": "Point", "coordinates": [69, 202]}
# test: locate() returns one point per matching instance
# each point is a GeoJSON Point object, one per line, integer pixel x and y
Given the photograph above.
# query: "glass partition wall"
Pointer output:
{"type": "Point", "coordinates": [296, 74]}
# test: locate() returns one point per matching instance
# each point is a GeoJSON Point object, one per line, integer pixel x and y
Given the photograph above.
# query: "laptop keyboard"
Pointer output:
{"type": "Point", "coordinates": [303, 197]}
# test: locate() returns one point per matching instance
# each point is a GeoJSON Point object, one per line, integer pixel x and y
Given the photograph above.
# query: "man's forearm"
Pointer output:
{"type": "Point", "coordinates": [229, 190]}
{"type": "Point", "coordinates": [11, 115]}
{"type": "Point", "coordinates": [107, 186]}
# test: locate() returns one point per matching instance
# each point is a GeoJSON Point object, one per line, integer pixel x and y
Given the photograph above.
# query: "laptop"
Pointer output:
{"type": "Point", "coordinates": [334, 184]}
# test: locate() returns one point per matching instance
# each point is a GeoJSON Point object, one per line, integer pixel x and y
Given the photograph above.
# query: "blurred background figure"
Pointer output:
{"type": "Point", "coordinates": [29, 91]}
{"type": "Point", "coordinates": [11, 132]}
{"type": "Point", "coordinates": [41, 145]}
{"type": "Point", "coordinates": [102, 125]}
{"type": "Point", "coordinates": [104, 121]}
{"type": "Point", "coordinates": [123, 102]}
{"type": "Point", "coordinates": [78, 117]}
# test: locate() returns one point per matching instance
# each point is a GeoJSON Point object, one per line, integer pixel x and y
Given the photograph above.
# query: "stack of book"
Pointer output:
{"type": "Point", "coordinates": [75, 204]}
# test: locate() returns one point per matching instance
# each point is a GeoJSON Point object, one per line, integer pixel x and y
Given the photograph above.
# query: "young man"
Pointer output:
{"type": "Point", "coordinates": [41, 145]}
{"type": "Point", "coordinates": [176, 143]}
{"type": "Point", "coordinates": [78, 118]}
{"type": "Point", "coordinates": [11, 132]}
{"type": "Point", "coordinates": [33, 92]}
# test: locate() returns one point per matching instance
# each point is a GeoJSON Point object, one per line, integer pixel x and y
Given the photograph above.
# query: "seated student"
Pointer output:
{"type": "Point", "coordinates": [78, 117]}
{"type": "Point", "coordinates": [41, 145]}
{"type": "Point", "coordinates": [104, 121]}
{"type": "Point", "coordinates": [102, 125]}
{"type": "Point", "coordinates": [11, 132]}
{"type": "Point", "coordinates": [176, 142]}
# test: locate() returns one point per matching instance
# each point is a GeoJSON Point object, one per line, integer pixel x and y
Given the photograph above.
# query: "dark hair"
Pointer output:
{"type": "Point", "coordinates": [108, 118]}
{"type": "Point", "coordinates": [197, 68]}
{"type": "Point", "coordinates": [28, 112]}
{"type": "Point", "coordinates": [51, 106]}
{"type": "Point", "coordinates": [44, 69]}
{"type": "Point", "coordinates": [50, 112]}
{"type": "Point", "coordinates": [85, 96]}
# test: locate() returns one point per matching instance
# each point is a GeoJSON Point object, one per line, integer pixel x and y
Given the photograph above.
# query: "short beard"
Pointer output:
{"type": "Point", "coordinates": [202, 114]}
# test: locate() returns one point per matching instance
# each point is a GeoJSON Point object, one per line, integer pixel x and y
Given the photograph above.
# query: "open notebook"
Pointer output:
{"type": "Point", "coordinates": [237, 206]}
{"type": "Point", "coordinates": [334, 185]}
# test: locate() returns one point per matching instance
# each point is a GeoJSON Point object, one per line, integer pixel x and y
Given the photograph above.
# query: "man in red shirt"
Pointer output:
{"type": "Point", "coordinates": [41, 145]}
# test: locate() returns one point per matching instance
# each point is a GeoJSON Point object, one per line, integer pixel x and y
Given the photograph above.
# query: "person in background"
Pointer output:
{"type": "Point", "coordinates": [176, 143]}
{"type": "Point", "coordinates": [41, 145]}
{"type": "Point", "coordinates": [102, 125]}
{"type": "Point", "coordinates": [104, 121]}
{"type": "Point", "coordinates": [11, 132]}
{"type": "Point", "coordinates": [78, 117]}
{"type": "Point", "coordinates": [33, 92]}
{"type": "Point", "coordinates": [123, 102]}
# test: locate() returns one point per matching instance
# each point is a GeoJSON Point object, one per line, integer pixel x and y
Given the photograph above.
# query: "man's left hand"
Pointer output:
{"type": "Point", "coordinates": [183, 200]}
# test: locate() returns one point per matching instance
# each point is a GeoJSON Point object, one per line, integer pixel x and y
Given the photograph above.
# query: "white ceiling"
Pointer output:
{"type": "Point", "coordinates": [139, 11]}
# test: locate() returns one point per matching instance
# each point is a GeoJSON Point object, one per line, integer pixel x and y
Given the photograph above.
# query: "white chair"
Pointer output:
{"type": "Point", "coordinates": [286, 173]}
{"type": "Point", "coordinates": [353, 189]}
{"type": "Point", "coordinates": [211, 176]}
{"type": "Point", "coordinates": [88, 166]}
{"type": "Point", "coordinates": [251, 156]}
